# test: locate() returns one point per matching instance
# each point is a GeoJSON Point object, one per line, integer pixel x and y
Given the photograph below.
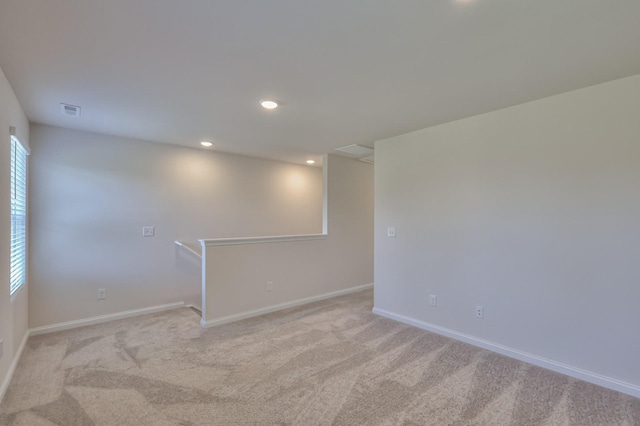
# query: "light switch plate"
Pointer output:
{"type": "Point", "coordinates": [433, 300]}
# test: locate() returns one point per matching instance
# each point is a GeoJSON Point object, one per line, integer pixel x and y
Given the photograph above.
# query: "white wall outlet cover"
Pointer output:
{"type": "Point", "coordinates": [479, 312]}
{"type": "Point", "coordinates": [391, 232]}
{"type": "Point", "coordinates": [433, 300]}
{"type": "Point", "coordinates": [148, 231]}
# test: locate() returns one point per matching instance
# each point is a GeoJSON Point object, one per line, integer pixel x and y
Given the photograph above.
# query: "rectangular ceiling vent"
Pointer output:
{"type": "Point", "coordinates": [367, 159]}
{"type": "Point", "coordinates": [71, 110]}
{"type": "Point", "coordinates": [356, 150]}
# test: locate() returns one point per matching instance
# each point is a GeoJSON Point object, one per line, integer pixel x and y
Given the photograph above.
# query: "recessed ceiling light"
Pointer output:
{"type": "Point", "coordinates": [311, 162]}
{"type": "Point", "coordinates": [268, 104]}
{"type": "Point", "coordinates": [206, 144]}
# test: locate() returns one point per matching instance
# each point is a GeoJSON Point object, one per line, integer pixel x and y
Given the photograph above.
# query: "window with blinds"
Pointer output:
{"type": "Point", "coordinates": [18, 270]}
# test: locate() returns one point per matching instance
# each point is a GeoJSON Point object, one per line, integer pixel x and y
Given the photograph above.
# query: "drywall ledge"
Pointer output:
{"type": "Point", "coordinates": [549, 364]}
{"type": "Point", "coordinates": [260, 240]}
{"type": "Point", "coordinates": [282, 306]}
{"type": "Point", "coordinates": [244, 277]}
{"type": "Point", "coordinates": [102, 318]}
{"type": "Point", "coordinates": [12, 367]}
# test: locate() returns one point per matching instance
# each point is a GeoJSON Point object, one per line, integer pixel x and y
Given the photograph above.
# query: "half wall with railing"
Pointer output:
{"type": "Point", "coordinates": [245, 277]}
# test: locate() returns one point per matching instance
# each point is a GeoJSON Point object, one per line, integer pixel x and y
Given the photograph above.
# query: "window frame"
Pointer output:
{"type": "Point", "coordinates": [18, 252]}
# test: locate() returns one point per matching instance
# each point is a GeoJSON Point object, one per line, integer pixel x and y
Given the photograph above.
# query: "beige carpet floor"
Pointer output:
{"type": "Point", "coordinates": [328, 363]}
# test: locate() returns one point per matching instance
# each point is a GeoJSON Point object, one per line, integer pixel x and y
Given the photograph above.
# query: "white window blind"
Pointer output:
{"type": "Point", "coordinates": [18, 270]}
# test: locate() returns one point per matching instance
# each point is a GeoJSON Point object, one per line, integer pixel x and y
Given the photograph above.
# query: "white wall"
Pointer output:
{"type": "Point", "coordinates": [13, 310]}
{"type": "Point", "coordinates": [92, 194]}
{"type": "Point", "coordinates": [533, 212]}
{"type": "Point", "coordinates": [236, 275]}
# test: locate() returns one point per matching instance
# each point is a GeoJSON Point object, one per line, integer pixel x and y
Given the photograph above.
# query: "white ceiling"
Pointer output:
{"type": "Point", "coordinates": [346, 71]}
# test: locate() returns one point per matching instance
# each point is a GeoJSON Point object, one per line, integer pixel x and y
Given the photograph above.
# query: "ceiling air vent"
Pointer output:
{"type": "Point", "coordinates": [356, 150]}
{"type": "Point", "coordinates": [72, 110]}
{"type": "Point", "coordinates": [367, 159]}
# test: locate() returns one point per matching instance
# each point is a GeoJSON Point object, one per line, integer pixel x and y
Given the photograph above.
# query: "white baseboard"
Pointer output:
{"type": "Point", "coordinates": [281, 306]}
{"type": "Point", "coordinates": [578, 373]}
{"type": "Point", "coordinates": [12, 367]}
{"type": "Point", "coordinates": [102, 318]}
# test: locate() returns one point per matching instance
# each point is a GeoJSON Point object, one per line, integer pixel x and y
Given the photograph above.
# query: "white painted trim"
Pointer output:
{"type": "Point", "coordinates": [539, 361]}
{"type": "Point", "coordinates": [188, 249]}
{"type": "Point", "coordinates": [12, 367]}
{"type": "Point", "coordinates": [102, 318]}
{"type": "Point", "coordinates": [325, 194]}
{"type": "Point", "coordinates": [203, 283]}
{"type": "Point", "coordinates": [260, 240]}
{"type": "Point", "coordinates": [281, 306]}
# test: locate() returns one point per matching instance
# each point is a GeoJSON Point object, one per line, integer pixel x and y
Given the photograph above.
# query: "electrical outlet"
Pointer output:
{"type": "Point", "coordinates": [391, 232]}
{"type": "Point", "coordinates": [433, 300]}
{"type": "Point", "coordinates": [102, 293]}
{"type": "Point", "coordinates": [269, 286]}
{"type": "Point", "coordinates": [148, 231]}
{"type": "Point", "coordinates": [479, 312]}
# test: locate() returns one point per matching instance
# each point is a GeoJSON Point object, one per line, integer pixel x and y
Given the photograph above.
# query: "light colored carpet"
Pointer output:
{"type": "Point", "coordinates": [331, 362]}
